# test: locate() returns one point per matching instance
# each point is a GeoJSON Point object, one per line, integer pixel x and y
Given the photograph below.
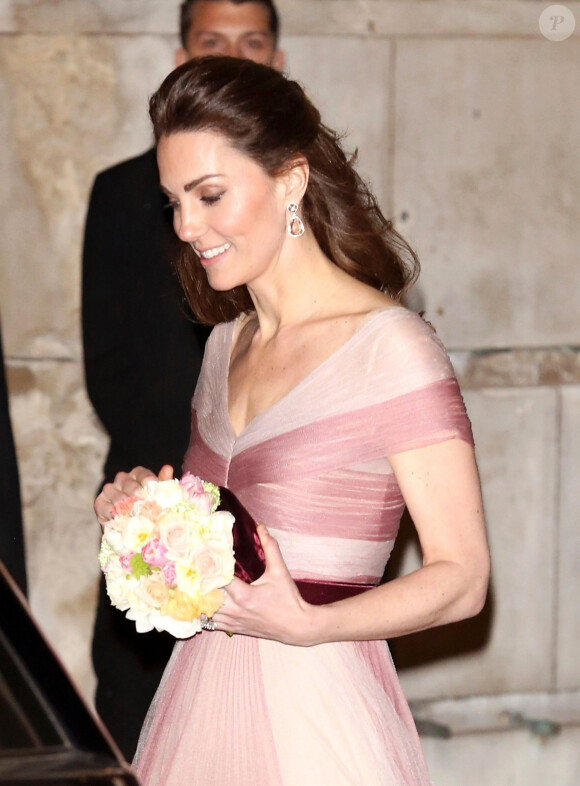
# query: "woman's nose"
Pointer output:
{"type": "Point", "coordinates": [189, 226]}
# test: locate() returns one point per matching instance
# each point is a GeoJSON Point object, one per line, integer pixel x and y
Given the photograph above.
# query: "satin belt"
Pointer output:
{"type": "Point", "coordinates": [250, 560]}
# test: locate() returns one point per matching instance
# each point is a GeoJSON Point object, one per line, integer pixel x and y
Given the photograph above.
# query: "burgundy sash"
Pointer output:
{"type": "Point", "coordinates": [250, 561]}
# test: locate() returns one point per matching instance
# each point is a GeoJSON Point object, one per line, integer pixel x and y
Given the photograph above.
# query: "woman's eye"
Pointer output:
{"type": "Point", "coordinates": [171, 206]}
{"type": "Point", "coordinates": [212, 199]}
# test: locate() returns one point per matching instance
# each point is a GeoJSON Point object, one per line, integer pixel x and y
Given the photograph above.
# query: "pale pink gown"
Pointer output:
{"type": "Point", "coordinates": [315, 468]}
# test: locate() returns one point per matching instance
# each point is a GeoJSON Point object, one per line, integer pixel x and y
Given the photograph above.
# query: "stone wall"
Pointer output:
{"type": "Point", "coordinates": [467, 120]}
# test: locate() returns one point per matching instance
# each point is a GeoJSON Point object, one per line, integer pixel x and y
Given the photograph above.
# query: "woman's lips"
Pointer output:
{"type": "Point", "coordinates": [210, 256]}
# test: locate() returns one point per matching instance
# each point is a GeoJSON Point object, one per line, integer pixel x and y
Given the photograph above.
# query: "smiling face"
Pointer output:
{"type": "Point", "coordinates": [225, 206]}
{"type": "Point", "coordinates": [219, 27]}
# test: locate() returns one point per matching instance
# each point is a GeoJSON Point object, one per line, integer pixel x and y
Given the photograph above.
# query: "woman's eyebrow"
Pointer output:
{"type": "Point", "coordinates": [194, 183]}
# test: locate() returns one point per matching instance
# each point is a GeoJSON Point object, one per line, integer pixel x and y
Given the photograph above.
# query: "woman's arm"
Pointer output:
{"type": "Point", "coordinates": [441, 487]}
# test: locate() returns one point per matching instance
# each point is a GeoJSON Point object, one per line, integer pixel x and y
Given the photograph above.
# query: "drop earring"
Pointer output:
{"type": "Point", "coordinates": [295, 225]}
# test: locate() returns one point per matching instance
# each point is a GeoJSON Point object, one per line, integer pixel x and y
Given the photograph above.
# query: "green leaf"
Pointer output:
{"type": "Point", "coordinates": [211, 488]}
{"type": "Point", "coordinates": [138, 566]}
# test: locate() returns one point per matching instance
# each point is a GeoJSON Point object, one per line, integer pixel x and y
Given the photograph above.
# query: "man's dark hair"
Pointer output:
{"type": "Point", "coordinates": [186, 16]}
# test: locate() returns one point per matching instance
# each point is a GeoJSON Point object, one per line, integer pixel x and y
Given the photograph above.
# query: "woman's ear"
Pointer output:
{"type": "Point", "coordinates": [295, 179]}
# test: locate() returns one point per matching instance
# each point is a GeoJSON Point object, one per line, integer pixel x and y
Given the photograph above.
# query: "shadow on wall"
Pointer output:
{"type": "Point", "coordinates": [446, 641]}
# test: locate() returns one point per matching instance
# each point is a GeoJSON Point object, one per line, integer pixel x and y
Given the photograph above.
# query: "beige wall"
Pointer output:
{"type": "Point", "coordinates": [467, 122]}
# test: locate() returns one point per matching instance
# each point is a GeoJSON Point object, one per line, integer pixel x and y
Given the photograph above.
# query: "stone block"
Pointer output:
{"type": "Point", "coordinates": [487, 186]}
{"type": "Point", "coordinates": [517, 367]}
{"type": "Point", "coordinates": [510, 647]}
{"type": "Point", "coordinates": [543, 714]}
{"type": "Point", "coordinates": [568, 631]}
{"type": "Point", "coordinates": [348, 80]}
{"type": "Point", "coordinates": [515, 758]}
{"type": "Point", "coordinates": [74, 105]}
{"type": "Point", "coordinates": [60, 451]}
{"type": "Point", "coordinates": [89, 16]}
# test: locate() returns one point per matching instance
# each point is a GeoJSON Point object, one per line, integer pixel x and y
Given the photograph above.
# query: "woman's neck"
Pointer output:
{"type": "Point", "coordinates": [298, 288]}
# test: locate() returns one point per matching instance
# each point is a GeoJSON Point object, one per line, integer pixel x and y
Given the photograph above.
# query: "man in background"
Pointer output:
{"type": "Point", "coordinates": [142, 351]}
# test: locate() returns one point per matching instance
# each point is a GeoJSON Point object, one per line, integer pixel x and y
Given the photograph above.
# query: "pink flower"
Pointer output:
{"type": "Point", "coordinates": [148, 509]}
{"type": "Point", "coordinates": [124, 507]}
{"type": "Point", "coordinates": [203, 500]}
{"type": "Point", "coordinates": [214, 564]}
{"type": "Point", "coordinates": [204, 503]}
{"type": "Point", "coordinates": [176, 535]}
{"type": "Point", "coordinates": [168, 571]}
{"type": "Point", "coordinates": [154, 553]}
{"type": "Point", "coordinates": [125, 560]}
{"type": "Point", "coordinates": [192, 484]}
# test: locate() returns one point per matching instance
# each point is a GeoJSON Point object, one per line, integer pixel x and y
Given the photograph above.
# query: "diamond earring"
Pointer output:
{"type": "Point", "coordinates": [295, 225]}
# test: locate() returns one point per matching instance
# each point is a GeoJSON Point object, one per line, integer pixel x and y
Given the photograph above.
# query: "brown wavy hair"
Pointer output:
{"type": "Point", "coordinates": [269, 118]}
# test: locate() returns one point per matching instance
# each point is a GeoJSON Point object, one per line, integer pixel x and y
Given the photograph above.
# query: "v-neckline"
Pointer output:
{"type": "Point", "coordinates": [337, 352]}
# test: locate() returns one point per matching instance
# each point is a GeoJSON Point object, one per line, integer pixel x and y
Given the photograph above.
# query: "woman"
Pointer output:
{"type": "Point", "coordinates": [325, 407]}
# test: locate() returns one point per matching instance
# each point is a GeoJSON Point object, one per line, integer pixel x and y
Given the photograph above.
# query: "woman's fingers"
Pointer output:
{"type": "Point", "coordinates": [130, 482]}
{"type": "Point", "coordinates": [236, 592]}
{"type": "Point", "coordinates": [275, 564]}
{"type": "Point", "coordinates": [166, 472]}
{"type": "Point", "coordinates": [126, 484]}
{"type": "Point", "coordinates": [105, 502]}
{"type": "Point", "coordinates": [271, 607]}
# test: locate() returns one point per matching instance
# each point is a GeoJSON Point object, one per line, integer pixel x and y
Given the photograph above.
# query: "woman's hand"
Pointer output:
{"type": "Point", "coordinates": [269, 608]}
{"type": "Point", "coordinates": [125, 485]}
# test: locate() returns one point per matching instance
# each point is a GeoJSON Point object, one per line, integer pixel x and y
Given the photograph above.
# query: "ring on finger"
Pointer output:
{"type": "Point", "coordinates": [208, 624]}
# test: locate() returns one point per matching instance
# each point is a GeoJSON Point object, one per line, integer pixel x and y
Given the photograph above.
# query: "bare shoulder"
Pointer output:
{"type": "Point", "coordinates": [357, 300]}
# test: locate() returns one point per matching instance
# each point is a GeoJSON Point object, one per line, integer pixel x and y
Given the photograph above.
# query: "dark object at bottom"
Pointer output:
{"type": "Point", "coordinates": [47, 733]}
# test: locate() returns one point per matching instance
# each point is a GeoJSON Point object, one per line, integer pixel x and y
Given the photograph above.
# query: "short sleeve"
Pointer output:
{"type": "Point", "coordinates": [421, 403]}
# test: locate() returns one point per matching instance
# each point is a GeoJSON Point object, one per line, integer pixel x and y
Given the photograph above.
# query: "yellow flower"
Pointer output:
{"type": "Point", "coordinates": [181, 606]}
{"type": "Point", "coordinates": [211, 602]}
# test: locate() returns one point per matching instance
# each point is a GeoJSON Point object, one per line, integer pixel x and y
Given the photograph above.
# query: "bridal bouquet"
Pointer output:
{"type": "Point", "coordinates": [167, 553]}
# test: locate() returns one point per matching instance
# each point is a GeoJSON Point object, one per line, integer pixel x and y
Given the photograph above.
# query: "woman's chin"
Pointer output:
{"type": "Point", "coordinates": [222, 283]}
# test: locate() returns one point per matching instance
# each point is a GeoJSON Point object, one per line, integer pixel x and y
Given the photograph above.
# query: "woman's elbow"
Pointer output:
{"type": "Point", "coordinates": [475, 593]}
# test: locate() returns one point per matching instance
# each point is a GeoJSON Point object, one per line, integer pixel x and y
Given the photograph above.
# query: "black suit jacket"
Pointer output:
{"type": "Point", "coordinates": [142, 356]}
{"type": "Point", "coordinates": [142, 351]}
{"type": "Point", "coordinates": [11, 536]}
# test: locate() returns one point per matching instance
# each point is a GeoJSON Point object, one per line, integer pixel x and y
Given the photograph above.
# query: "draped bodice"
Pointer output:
{"type": "Point", "coordinates": [315, 465]}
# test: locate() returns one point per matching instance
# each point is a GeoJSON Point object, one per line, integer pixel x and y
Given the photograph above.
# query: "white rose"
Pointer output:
{"type": "Point", "coordinates": [114, 539]}
{"type": "Point", "coordinates": [139, 608]}
{"type": "Point", "coordinates": [221, 523]}
{"type": "Point", "coordinates": [118, 587]}
{"type": "Point", "coordinates": [177, 534]}
{"type": "Point", "coordinates": [165, 493]}
{"type": "Point", "coordinates": [214, 565]}
{"type": "Point", "coordinates": [143, 623]}
{"type": "Point", "coordinates": [177, 628]}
